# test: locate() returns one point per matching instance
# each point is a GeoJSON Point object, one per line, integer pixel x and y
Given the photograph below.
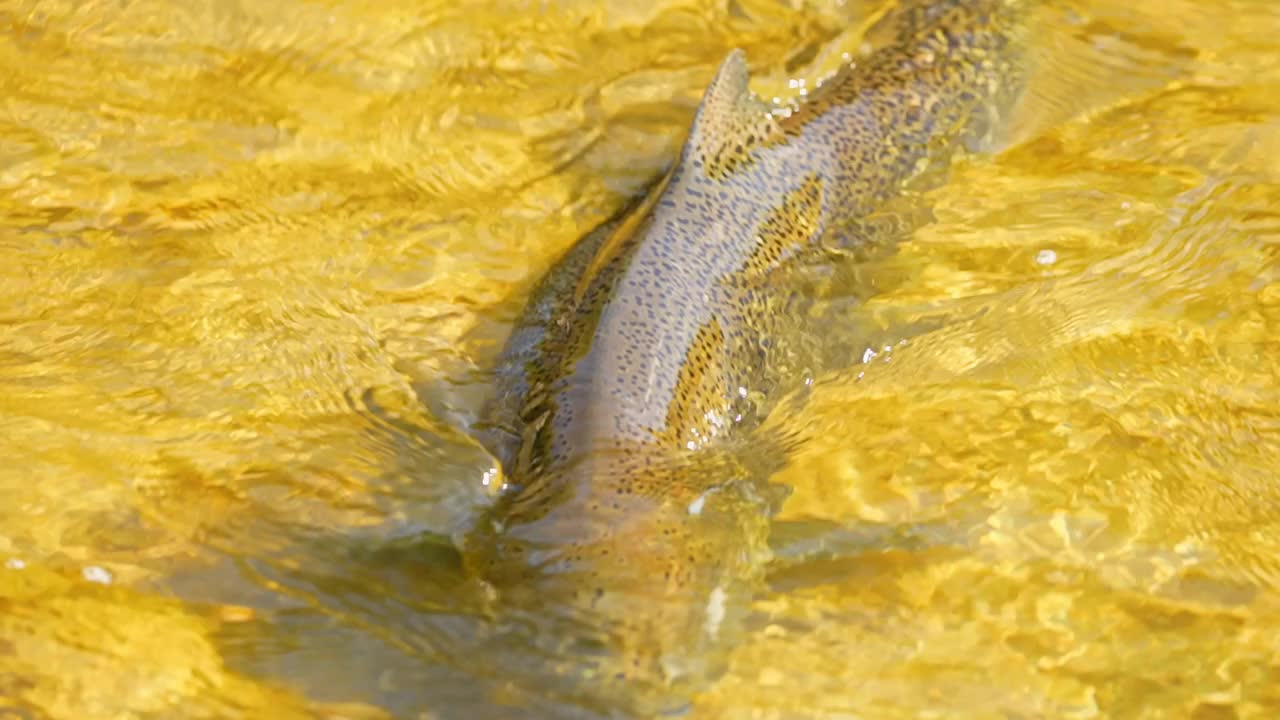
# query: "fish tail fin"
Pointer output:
{"type": "Point", "coordinates": [1080, 57]}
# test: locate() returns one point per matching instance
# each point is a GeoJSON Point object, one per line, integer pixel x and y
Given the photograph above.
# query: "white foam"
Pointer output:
{"type": "Point", "coordinates": [96, 574]}
{"type": "Point", "coordinates": [695, 507]}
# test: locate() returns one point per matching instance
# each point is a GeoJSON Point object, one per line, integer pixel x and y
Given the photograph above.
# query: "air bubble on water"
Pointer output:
{"type": "Point", "coordinates": [15, 564]}
{"type": "Point", "coordinates": [96, 574]}
{"type": "Point", "coordinates": [868, 355]}
{"type": "Point", "coordinates": [1046, 257]}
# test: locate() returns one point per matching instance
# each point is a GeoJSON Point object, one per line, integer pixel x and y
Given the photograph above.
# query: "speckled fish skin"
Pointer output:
{"type": "Point", "coordinates": [632, 531]}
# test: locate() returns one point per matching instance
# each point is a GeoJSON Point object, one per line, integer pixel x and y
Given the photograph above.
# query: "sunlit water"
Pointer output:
{"type": "Point", "coordinates": [256, 257]}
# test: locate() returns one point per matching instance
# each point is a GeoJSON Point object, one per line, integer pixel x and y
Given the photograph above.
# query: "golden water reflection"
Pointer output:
{"type": "Point", "coordinates": [253, 253]}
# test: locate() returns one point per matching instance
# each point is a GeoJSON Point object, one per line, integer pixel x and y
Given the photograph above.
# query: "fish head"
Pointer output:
{"type": "Point", "coordinates": [617, 594]}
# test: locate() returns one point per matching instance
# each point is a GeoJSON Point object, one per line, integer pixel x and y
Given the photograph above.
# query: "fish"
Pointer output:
{"type": "Point", "coordinates": [633, 529]}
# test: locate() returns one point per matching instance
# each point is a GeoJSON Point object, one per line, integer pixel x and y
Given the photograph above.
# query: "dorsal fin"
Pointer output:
{"type": "Point", "coordinates": [730, 121]}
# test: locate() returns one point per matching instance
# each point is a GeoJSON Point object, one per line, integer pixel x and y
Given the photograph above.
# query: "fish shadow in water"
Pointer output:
{"type": "Point", "coordinates": [412, 630]}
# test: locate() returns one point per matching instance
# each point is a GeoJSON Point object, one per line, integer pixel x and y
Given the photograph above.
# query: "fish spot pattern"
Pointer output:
{"type": "Point", "coordinates": [658, 341]}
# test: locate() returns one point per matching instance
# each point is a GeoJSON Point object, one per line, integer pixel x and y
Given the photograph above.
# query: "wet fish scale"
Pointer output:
{"type": "Point", "coordinates": [651, 346]}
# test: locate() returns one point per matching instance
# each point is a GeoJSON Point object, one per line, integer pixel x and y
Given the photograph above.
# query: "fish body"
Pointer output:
{"type": "Point", "coordinates": [634, 532]}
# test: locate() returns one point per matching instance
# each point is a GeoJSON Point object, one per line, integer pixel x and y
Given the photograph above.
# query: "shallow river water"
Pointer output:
{"type": "Point", "coordinates": [255, 256]}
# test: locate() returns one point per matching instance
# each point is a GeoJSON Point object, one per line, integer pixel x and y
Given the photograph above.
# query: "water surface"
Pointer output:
{"type": "Point", "coordinates": [257, 255]}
